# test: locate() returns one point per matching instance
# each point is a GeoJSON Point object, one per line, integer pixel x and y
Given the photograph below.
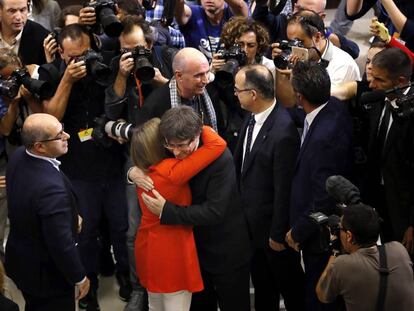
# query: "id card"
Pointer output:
{"type": "Point", "coordinates": [85, 134]}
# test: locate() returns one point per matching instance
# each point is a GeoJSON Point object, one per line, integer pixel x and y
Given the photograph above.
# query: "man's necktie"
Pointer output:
{"type": "Point", "coordinates": [305, 131]}
{"type": "Point", "coordinates": [383, 129]}
{"type": "Point", "coordinates": [250, 128]}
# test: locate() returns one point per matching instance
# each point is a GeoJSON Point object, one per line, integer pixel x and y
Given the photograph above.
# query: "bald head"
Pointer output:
{"type": "Point", "coordinates": [317, 6]}
{"type": "Point", "coordinates": [186, 57]}
{"type": "Point", "coordinates": [38, 127]}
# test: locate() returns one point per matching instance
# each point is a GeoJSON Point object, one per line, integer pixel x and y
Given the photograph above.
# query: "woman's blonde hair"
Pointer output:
{"type": "Point", "coordinates": [147, 145]}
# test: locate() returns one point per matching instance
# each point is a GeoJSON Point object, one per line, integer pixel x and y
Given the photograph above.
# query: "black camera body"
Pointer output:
{"type": "Point", "coordinates": [95, 66]}
{"type": "Point", "coordinates": [105, 11]}
{"type": "Point", "coordinates": [55, 33]}
{"type": "Point", "coordinates": [20, 76]}
{"type": "Point", "coordinates": [405, 106]}
{"type": "Point", "coordinates": [144, 70]}
{"type": "Point", "coordinates": [282, 61]}
{"type": "Point", "coordinates": [235, 57]}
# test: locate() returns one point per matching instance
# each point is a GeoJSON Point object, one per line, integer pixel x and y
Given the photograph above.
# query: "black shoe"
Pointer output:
{"type": "Point", "coordinates": [125, 288]}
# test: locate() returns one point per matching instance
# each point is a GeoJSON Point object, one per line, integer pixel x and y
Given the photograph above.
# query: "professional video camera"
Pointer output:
{"type": "Point", "coordinates": [344, 193]}
{"type": "Point", "coordinates": [10, 87]}
{"type": "Point", "coordinates": [235, 57]}
{"type": "Point", "coordinates": [144, 70]}
{"type": "Point", "coordinates": [94, 65]}
{"type": "Point", "coordinates": [282, 61]}
{"type": "Point", "coordinates": [104, 127]}
{"type": "Point", "coordinates": [404, 103]}
{"type": "Point", "coordinates": [106, 16]}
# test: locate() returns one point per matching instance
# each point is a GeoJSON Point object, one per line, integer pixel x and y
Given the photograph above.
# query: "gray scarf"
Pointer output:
{"type": "Point", "coordinates": [176, 100]}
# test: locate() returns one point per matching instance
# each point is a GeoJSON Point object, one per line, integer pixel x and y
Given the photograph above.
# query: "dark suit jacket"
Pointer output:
{"type": "Point", "coordinates": [41, 255]}
{"type": "Point", "coordinates": [159, 102]}
{"type": "Point", "coordinates": [220, 228]}
{"type": "Point", "coordinates": [31, 45]}
{"type": "Point", "coordinates": [326, 150]}
{"type": "Point", "coordinates": [7, 305]}
{"type": "Point", "coordinates": [265, 181]}
{"type": "Point", "coordinates": [396, 164]}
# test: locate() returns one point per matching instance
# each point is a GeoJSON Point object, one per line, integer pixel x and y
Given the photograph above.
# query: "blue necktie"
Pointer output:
{"type": "Point", "coordinates": [305, 131]}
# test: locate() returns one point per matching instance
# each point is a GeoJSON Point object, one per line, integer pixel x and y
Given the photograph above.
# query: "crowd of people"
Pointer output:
{"type": "Point", "coordinates": [188, 147]}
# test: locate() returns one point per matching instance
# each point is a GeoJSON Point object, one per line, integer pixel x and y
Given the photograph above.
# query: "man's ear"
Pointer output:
{"type": "Point", "coordinates": [322, 15]}
{"type": "Point", "coordinates": [178, 75]}
{"type": "Point", "coordinates": [349, 237]}
{"type": "Point", "coordinates": [401, 81]}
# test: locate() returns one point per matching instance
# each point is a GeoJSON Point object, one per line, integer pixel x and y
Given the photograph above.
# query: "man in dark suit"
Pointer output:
{"type": "Point", "coordinates": [21, 35]}
{"type": "Point", "coordinates": [265, 159]}
{"type": "Point", "coordinates": [388, 185]}
{"type": "Point", "coordinates": [220, 229]}
{"type": "Point", "coordinates": [41, 254]}
{"type": "Point", "coordinates": [326, 150]}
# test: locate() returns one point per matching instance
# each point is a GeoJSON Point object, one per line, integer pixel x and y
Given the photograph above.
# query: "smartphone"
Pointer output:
{"type": "Point", "coordinates": [302, 53]}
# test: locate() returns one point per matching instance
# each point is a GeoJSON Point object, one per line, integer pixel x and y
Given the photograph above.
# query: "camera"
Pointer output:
{"type": "Point", "coordinates": [344, 193]}
{"type": "Point", "coordinates": [405, 106]}
{"type": "Point", "coordinates": [144, 70]}
{"type": "Point", "coordinates": [104, 127]}
{"type": "Point", "coordinates": [282, 61]}
{"type": "Point", "coordinates": [105, 15]}
{"type": "Point", "coordinates": [94, 65]}
{"type": "Point", "coordinates": [235, 57]}
{"type": "Point", "coordinates": [55, 33]}
{"type": "Point", "coordinates": [10, 87]}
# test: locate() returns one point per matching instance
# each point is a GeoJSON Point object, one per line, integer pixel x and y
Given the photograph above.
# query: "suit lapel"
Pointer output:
{"type": "Point", "coordinates": [260, 139]}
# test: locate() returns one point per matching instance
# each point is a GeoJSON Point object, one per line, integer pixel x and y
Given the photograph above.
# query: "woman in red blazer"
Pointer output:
{"type": "Point", "coordinates": [166, 256]}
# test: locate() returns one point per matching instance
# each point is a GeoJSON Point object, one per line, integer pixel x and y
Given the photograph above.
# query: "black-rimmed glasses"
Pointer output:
{"type": "Point", "coordinates": [59, 136]}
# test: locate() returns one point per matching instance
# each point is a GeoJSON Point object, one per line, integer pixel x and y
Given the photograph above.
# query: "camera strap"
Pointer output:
{"type": "Point", "coordinates": [140, 95]}
{"type": "Point", "coordinates": [383, 277]}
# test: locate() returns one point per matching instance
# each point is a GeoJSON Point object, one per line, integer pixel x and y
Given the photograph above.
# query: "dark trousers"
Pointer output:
{"type": "Point", "coordinates": [96, 200]}
{"type": "Point", "coordinates": [274, 273]}
{"type": "Point", "coordinates": [314, 266]}
{"type": "Point", "coordinates": [64, 302]}
{"type": "Point", "coordinates": [230, 291]}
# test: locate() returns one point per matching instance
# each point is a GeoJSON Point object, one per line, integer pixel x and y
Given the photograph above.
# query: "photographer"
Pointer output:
{"type": "Point", "coordinates": [357, 275]}
{"type": "Point", "coordinates": [95, 172]}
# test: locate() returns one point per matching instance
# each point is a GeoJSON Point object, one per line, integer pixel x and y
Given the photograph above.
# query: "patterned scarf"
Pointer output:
{"type": "Point", "coordinates": [176, 100]}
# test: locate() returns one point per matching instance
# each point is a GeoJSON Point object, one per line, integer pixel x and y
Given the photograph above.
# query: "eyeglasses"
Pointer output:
{"type": "Point", "coordinates": [181, 146]}
{"type": "Point", "coordinates": [59, 136]}
{"type": "Point", "coordinates": [237, 91]}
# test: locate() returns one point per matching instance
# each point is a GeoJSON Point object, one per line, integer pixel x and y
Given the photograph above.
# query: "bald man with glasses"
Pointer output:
{"type": "Point", "coordinates": [41, 251]}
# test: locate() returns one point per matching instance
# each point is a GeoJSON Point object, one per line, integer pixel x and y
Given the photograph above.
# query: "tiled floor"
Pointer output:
{"type": "Point", "coordinates": [108, 291]}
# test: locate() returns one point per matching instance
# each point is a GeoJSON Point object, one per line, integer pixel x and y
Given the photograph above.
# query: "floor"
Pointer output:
{"type": "Point", "coordinates": [108, 290]}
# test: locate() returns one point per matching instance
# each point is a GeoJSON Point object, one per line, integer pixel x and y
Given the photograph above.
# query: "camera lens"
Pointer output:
{"type": "Point", "coordinates": [225, 76]}
{"type": "Point", "coordinates": [144, 69]}
{"type": "Point", "coordinates": [110, 23]}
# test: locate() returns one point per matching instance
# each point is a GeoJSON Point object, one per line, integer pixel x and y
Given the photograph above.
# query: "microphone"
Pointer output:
{"type": "Point", "coordinates": [372, 96]}
{"type": "Point", "coordinates": [342, 190]}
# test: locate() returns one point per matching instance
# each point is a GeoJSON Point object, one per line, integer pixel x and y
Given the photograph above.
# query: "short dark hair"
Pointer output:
{"type": "Point", "coordinates": [259, 78]}
{"type": "Point", "coordinates": [363, 222]}
{"type": "Point", "coordinates": [9, 58]}
{"type": "Point", "coordinates": [31, 135]}
{"type": "Point", "coordinates": [73, 31]}
{"type": "Point", "coordinates": [132, 8]}
{"type": "Point", "coordinates": [395, 61]}
{"type": "Point", "coordinates": [312, 81]}
{"type": "Point", "coordinates": [310, 22]}
{"type": "Point", "coordinates": [130, 21]}
{"type": "Point", "coordinates": [180, 123]}
{"type": "Point", "coordinates": [69, 10]}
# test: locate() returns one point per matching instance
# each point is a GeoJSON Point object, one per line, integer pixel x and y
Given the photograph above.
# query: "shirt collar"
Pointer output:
{"type": "Point", "coordinates": [16, 39]}
{"type": "Point", "coordinates": [312, 115]}
{"type": "Point", "coordinates": [54, 162]}
{"type": "Point", "coordinates": [261, 117]}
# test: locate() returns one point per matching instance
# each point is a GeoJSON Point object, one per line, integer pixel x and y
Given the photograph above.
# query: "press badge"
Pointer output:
{"type": "Point", "coordinates": [85, 134]}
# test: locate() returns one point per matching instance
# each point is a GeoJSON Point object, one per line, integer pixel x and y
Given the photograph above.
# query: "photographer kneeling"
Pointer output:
{"type": "Point", "coordinates": [357, 276]}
